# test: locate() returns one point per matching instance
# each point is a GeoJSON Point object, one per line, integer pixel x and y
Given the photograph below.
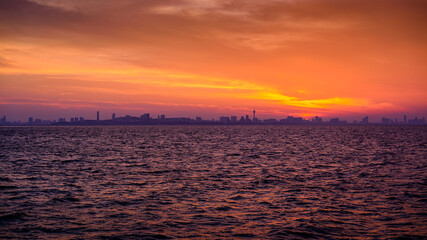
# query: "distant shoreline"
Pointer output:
{"type": "Point", "coordinates": [195, 124]}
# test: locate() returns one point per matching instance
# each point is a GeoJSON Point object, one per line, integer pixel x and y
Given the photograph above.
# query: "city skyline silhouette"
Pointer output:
{"type": "Point", "coordinates": [146, 119]}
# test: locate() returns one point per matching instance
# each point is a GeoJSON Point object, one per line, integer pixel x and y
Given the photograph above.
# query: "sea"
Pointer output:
{"type": "Point", "coordinates": [213, 182]}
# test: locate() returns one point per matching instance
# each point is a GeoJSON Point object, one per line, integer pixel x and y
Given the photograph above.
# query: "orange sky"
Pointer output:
{"type": "Point", "coordinates": [344, 58]}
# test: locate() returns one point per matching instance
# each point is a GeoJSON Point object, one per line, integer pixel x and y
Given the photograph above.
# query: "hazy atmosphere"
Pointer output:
{"type": "Point", "coordinates": [213, 119]}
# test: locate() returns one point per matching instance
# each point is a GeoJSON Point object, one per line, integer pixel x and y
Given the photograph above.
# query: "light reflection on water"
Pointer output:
{"type": "Point", "coordinates": [246, 182]}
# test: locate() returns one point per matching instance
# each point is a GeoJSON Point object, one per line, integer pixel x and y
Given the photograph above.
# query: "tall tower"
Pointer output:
{"type": "Point", "coordinates": [113, 117]}
{"type": "Point", "coordinates": [404, 119]}
{"type": "Point", "coordinates": [254, 117]}
{"type": "Point", "coordinates": [97, 116]}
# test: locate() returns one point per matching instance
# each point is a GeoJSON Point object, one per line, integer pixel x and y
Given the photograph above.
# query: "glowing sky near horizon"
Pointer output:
{"type": "Point", "coordinates": [347, 58]}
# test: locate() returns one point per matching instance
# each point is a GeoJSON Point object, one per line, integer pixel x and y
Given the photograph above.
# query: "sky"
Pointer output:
{"type": "Point", "coordinates": [211, 58]}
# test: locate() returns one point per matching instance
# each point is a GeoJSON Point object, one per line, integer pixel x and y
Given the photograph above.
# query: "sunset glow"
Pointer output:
{"type": "Point", "coordinates": [346, 58]}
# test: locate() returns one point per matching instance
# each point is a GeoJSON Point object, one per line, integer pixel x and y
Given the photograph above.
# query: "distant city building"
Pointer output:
{"type": "Point", "coordinates": [365, 120]}
{"type": "Point", "coordinates": [386, 120]}
{"type": "Point", "coordinates": [334, 120]}
{"type": "Point", "coordinates": [404, 119]}
{"type": "Point", "coordinates": [198, 119]}
{"type": "Point", "coordinates": [270, 121]}
{"type": "Point", "coordinates": [416, 120]}
{"type": "Point", "coordinates": [224, 119]}
{"type": "Point", "coordinates": [61, 120]}
{"type": "Point", "coordinates": [180, 120]}
{"type": "Point", "coordinates": [97, 116]}
{"type": "Point", "coordinates": [30, 120]}
{"type": "Point", "coordinates": [113, 117]}
{"type": "Point", "coordinates": [247, 120]}
{"type": "Point", "coordinates": [297, 120]}
{"type": "Point", "coordinates": [233, 119]}
{"type": "Point", "coordinates": [3, 119]}
{"type": "Point", "coordinates": [317, 120]}
{"type": "Point", "coordinates": [81, 119]}
{"type": "Point", "coordinates": [145, 117]}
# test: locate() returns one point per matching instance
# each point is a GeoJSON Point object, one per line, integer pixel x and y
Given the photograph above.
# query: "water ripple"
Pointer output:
{"type": "Point", "coordinates": [213, 182]}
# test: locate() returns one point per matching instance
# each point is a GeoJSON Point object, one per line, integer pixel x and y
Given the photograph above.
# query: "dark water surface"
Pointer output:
{"type": "Point", "coordinates": [213, 182]}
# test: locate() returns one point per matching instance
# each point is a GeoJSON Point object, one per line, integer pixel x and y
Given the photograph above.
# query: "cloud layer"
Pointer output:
{"type": "Point", "coordinates": [300, 56]}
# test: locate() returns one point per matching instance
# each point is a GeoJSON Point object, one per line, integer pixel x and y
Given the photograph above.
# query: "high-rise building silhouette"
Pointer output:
{"type": "Point", "coordinates": [113, 117]}
{"type": "Point", "coordinates": [145, 117]}
{"type": "Point", "coordinates": [224, 119]}
{"type": "Point", "coordinates": [404, 119]}
{"type": "Point", "coordinates": [317, 120]}
{"type": "Point", "coordinates": [97, 116]}
{"type": "Point", "coordinates": [365, 120]}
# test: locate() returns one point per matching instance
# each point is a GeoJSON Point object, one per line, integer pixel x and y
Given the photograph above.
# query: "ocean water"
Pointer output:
{"type": "Point", "coordinates": [213, 182]}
